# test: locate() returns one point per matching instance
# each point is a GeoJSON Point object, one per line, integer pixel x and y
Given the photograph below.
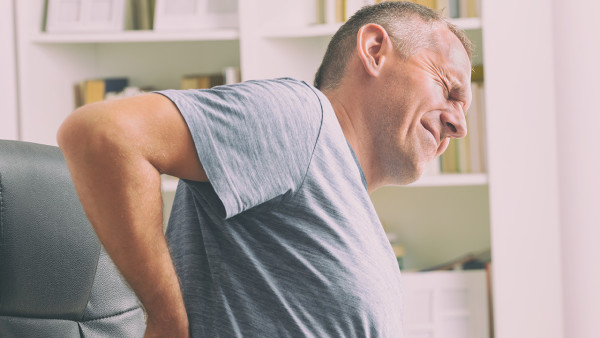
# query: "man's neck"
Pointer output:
{"type": "Point", "coordinates": [350, 117]}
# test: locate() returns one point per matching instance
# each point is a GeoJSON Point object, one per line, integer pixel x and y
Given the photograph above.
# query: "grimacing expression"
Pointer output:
{"type": "Point", "coordinates": [422, 100]}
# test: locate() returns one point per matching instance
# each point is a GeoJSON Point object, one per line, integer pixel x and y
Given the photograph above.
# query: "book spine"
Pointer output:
{"type": "Point", "coordinates": [443, 7]}
{"type": "Point", "coordinates": [449, 159]}
{"type": "Point", "coordinates": [473, 125]}
{"type": "Point", "coordinates": [454, 9]}
{"type": "Point", "coordinates": [330, 16]}
{"type": "Point", "coordinates": [94, 91]}
{"type": "Point", "coordinates": [463, 155]}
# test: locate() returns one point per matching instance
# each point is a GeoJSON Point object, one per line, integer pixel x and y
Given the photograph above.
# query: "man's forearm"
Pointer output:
{"type": "Point", "coordinates": [120, 192]}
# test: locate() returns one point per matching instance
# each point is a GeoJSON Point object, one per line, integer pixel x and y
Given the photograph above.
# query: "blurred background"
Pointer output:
{"type": "Point", "coordinates": [497, 239]}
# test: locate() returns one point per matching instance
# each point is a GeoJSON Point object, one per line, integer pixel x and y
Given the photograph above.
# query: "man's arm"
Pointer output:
{"type": "Point", "coordinates": [116, 151]}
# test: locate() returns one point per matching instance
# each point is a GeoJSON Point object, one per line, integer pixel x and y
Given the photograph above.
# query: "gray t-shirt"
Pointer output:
{"type": "Point", "coordinates": [284, 240]}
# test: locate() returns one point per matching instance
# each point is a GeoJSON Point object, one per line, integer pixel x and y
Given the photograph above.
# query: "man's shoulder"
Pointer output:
{"type": "Point", "coordinates": [284, 86]}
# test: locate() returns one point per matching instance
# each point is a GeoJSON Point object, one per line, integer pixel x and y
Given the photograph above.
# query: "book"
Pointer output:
{"type": "Point", "coordinates": [462, 8]}
{"type": "Point", "coordinates": [476, 130]}
{"type": "Point", "coordinates": [449, 159]}
{"type": "Point", "coordinates": [473, 9]}
{"type": "Point", "coordinates": [478, 73]}
{"type": "Point", "coordinates": [94, 90]}
{"type": "Point", "coordinates": [340, 10]}
{"type": "Point", "coordinates": [482, 125]}
{"type": "Point", "coordinates": [453, 9]}
{"type": "Point", "coordinates": [331, 11]}
{"type": "Point", "coordinates": [463, 154]}
{"type": "Point", "coordinates": [202, 81]}
{"type": "Point", "coordinates": [443, 7]}
{"type": "Point", "coordinates": [427, 3]}
{"type": "Point", "coordinates": [433, 4]}
{"type": "Point", "coordinates": [143, 13]}
{"type": "Point", "coordinates": [433, 168]}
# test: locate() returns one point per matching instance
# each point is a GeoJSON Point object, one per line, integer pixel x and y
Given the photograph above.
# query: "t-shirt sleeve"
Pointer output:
{"type": "Point", "coordinates": [254, 139]}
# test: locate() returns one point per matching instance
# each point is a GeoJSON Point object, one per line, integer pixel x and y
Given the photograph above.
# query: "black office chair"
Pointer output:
{"type": "Point", "coordinates": [56, 280]}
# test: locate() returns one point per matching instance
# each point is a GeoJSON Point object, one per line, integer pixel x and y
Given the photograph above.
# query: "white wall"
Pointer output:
{"type": "Point", "coordinates": [8, 87]}
{"type": "Point", "coordinates": [523, 174]}
{"type": "Point", "coordinates": [577, 53]}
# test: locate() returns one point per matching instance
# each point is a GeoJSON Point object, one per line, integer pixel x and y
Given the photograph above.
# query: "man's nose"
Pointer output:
{"type": "Point", "coordinates": [454, 123]}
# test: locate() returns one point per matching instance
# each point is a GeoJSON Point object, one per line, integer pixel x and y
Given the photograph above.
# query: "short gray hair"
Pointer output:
{"type": "Point", "coordinates": [404, 21]}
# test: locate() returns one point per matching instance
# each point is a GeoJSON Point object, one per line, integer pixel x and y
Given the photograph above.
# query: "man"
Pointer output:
{"type": "Point", "coordinates": [272, 233]}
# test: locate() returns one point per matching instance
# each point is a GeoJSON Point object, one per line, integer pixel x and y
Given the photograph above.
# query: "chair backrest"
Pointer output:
{"type": "Point", "coordinates": [56, 280]}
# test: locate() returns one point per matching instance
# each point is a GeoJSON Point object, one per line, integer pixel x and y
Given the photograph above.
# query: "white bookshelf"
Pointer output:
{"type": "Point", "coordinates": [135, 36]}
{"type": "Point", "coordinates": [440, 217]}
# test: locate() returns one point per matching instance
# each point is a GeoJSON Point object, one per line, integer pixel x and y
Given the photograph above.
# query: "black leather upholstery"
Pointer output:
{"type": "Point", "coordinates": [56, 280]}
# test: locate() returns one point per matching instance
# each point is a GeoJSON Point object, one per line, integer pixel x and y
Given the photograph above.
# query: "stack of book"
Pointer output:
{"type": "Point", "coordinates": [202, 81]}
{"type": "Point", "coordinates": [229, 75]}
{"type": "Point", "coordinates": [332, 11]}
{"type": "Point", "coordinates": [94, 90]}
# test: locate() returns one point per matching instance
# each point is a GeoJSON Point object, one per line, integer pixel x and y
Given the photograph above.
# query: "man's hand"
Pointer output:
{"type": "Point", "coordinates": [156, 330]}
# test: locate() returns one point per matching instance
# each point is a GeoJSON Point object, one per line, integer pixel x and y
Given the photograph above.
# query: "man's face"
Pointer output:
{"type": "Point", "coordinates": [421, 103]}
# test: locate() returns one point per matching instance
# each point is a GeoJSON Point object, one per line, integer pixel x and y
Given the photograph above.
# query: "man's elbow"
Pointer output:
{"type": "Point", "coordinates": [83, 131]}
{"type": "Point", "coordinates": [73, 130]}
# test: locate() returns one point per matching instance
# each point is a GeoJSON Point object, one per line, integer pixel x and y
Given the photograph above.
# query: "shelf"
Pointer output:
{"type": "Point", "coordinates": [448, 180]}
{"type": "Point", "coordinates": [137, 36]}
{"type": "Point", "coordinates": [169, 183]}
{"type": "Point", "coordinates": [327, 30]}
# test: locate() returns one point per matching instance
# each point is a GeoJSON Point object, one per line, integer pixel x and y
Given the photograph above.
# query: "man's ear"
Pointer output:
{"type": "Point", "coordinates": [373, 45]}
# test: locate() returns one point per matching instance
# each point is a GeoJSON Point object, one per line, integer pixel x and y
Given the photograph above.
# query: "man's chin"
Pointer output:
{"type": "Point", "coordinates": [407, 177]}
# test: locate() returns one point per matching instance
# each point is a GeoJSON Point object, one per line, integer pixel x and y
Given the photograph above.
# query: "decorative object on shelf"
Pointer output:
{"type": "Point", "coordinates": [469, 261]}
{"type": "Point", "coordinates": [178, 15]}
{"type": "Point", "coordinates": [85, 16]}
{"type": "Point", "coordinates": [232, 75]}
